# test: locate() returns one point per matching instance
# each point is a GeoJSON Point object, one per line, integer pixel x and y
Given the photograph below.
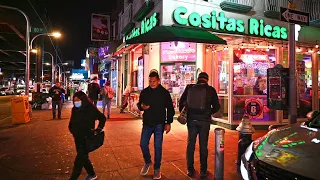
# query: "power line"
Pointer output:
{"type": "Point", "coordinates": [46, 30]}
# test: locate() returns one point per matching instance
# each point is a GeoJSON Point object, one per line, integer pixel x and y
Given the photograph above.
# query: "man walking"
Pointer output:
{"type": "Point", "coordinates": [107, 94]}
{"type": "Point", "coordinates": [158, 114]}
{"type": "Point", "coordinates": [94, 90]}
{"type": "Point", "coordinates": [56, 93]}
{"type": "Point", "coordinates": [201, 101]}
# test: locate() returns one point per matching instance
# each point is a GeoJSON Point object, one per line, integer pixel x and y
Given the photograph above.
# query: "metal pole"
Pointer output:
{"type": "Point", "coordinates": [219, 154]}
{"type": "Point", "coordinates": [292, 76]}
{"type": "Point", "coordinates": [27, 74]}
{"type": "Point", "coordinates": [43, 34]}
{"type": "Point", "coordinates": [52, 68]}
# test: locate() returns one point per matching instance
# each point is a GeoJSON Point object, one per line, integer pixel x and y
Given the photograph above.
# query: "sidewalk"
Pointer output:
{"type": "Point", "coordinates": [44, 149]}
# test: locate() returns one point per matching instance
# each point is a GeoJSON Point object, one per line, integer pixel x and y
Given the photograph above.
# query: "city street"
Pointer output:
{"type": "Point", "coordinates": [44, 149]}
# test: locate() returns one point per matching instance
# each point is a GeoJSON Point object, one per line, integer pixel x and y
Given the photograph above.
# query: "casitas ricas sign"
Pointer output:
{"type": "Point", "coordinates": [146, 25]}
{"type": "Point", "coordinates": [218, 21]}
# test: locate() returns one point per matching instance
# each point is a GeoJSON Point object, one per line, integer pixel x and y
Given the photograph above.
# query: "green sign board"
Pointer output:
{"type": "Point", "coordinates": [37, 30]}
{"type": "Point", "coordinates": [146, 25]}
{"type": "Point", "coordinates": [218, 21]}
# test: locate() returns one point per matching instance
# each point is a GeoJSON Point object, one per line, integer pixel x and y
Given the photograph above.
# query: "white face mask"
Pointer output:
{"type": "Point", "coordinates": [77, 104]}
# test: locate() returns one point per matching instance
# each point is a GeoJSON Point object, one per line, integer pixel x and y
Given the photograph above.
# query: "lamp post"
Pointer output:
{"type": "Point", "coordinates": [52, 67]}
{"type": "Point", "coordinates": [54, 34]}
{"type": "Point", "coordinates": [59, 68]}
{"type": "Point", "coordinates": [27, 74]}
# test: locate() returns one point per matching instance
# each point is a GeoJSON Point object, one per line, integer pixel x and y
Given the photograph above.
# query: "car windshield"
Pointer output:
{"type": "Point", "coordinates": [3, 89]}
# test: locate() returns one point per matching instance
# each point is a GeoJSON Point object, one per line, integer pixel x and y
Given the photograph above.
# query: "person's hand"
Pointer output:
{"type": "Point", "coordinates": [167, 128]}
{"type": "Point", "coordinates": [97, 131]}
{"type": "Point", "coordinates": [144, 107]}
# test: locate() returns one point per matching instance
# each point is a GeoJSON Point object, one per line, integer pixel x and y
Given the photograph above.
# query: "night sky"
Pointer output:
{"type": "Point", "coordinates": [73, 18]}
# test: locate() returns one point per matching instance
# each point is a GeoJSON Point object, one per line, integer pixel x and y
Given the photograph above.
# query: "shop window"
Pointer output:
{"type": "Point", "coordinates": [250, 83]}
{"type": "Point", "coordinates": [304, 84]}
{"type": "Point", "coordinates": [221, 82]}
{"type": "Point", "coordinates": [175, 77]}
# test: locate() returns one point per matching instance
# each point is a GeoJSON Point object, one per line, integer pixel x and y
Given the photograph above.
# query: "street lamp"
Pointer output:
{"type": "Point", "coordinates": [52, 68]}
{"type": "Point", "coordinates": [27, 74]}
{"type": "Point", "coordinates": [54, 34]}
{"type": "Point", "coordinates": [59, 68]}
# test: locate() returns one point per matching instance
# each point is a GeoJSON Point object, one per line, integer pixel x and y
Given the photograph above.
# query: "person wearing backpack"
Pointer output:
{"type": "Point", "coordinates": [201, 101]}
{"type": "Point", "coordinates": [107, 94]}
{"type": "Point", "coordinates": [94, 90]}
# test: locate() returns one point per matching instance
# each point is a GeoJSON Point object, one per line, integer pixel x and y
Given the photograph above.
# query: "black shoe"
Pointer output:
{"type": "Point", "coordinates": [203, 174]}
{"type": "Point", "coordinates": [54, 118]}
{"type": "Point", "coordinates": [190, 172]}
{"type": "Point", "coordinates": [108, 116]}
{"type": "Point", "coordinates": [59, 117]}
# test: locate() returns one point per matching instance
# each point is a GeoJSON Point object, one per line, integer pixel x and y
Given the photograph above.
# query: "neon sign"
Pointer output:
{"type": "Point", "coordinates": [218, 21]}
{"type": "Point", "coordinates": [146, 25]}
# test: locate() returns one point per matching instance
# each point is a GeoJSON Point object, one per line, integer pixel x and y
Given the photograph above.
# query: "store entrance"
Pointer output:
{"type": "Point", "coordinates": [175, 77]}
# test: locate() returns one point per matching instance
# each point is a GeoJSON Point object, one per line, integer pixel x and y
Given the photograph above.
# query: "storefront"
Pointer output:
{"type": "Point", "coordinates": [238, 69]}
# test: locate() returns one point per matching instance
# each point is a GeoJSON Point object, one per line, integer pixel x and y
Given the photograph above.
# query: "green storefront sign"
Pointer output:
{"type": "Point", "coordinates": [146, 25]}
{"type": "Point", "coordinates": [218, 21]}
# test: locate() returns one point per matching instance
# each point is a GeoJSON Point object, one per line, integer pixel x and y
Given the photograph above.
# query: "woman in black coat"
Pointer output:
{"type": "Point", "coordinates": [82, 124]}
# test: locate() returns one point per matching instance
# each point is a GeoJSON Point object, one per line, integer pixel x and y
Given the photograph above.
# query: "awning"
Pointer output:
{"type": "Point", "coordinates": [176, 33]}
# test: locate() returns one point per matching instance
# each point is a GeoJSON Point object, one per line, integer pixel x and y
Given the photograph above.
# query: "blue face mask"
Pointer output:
{"type": "Point", "coordinates": [77, 104]}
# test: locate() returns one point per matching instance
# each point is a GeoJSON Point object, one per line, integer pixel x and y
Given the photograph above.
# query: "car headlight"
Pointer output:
{"type": "Point", "coordinates": [249, 151]}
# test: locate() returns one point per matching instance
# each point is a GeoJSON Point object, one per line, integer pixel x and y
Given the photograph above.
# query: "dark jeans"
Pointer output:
{"type": "Point", "coordinates": [106, 102]}
{"type": "Point", "coordinates": [194, 128]}
{"type": "Point", "coordinates": [54, 105]}
{"type": "Point", "coordinates": [95, 102]}
{"type": "Point", "coordinates": [82, 159]}
{"type": "Point", "coordinates": [157, 132]}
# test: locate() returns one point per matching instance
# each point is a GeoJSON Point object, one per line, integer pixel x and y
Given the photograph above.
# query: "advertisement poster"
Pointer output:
{"type": "Point", "coordinates": [178, 52]}
{"type": "Point", "coordinates": [254, 108]}
{"type": "Point", "coordinates": [100, 27]}
{"type": "Point", "coordinates": [140, 75]}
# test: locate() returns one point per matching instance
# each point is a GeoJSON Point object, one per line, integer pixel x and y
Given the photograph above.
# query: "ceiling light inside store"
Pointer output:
{"type": "Point", "coordinates": [317, 46]}
{"type": "Point", "coordinates": [298, 49]}
{"type": "Point", "coordinates": [207, 49]}
{"type": "Point", "coordinates": [318, 52]}
{"type": "Point", "coordinates": [310, 51]}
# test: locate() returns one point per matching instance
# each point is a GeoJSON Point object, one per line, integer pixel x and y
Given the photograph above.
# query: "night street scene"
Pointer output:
{"type": "Point", "coordinates": [159, 89]}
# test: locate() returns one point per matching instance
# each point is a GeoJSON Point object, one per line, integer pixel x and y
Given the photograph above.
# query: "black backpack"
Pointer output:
{"type": "Point", "coordinates": [197, 98]}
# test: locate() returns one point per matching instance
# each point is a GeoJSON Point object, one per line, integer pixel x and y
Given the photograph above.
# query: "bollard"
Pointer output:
{"type": "Point", "coordinates": [219, 154]}
{"type": "Point", "coordinates": [245, 130]}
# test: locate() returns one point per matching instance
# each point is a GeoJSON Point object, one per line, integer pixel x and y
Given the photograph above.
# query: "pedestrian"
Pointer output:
{"type": "Point", "coordinates": [94, 90]}
{"type": "Point", "coordinates": [201, 101]}
{"type": "Point", "coordinates": [107, 94]}
{"type": "Point", "coordinates": [158, 114]}
{"type": "Point", "coordinates": [56, 94]}
{"type": "Point", "coordinates": [81, 125]}
{"type": "Point", "coordinates": [125, 98]}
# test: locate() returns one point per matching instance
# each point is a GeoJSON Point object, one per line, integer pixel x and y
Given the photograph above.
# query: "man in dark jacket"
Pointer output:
{"type": "Point", "coordinates": [158, 114]}
{"type": "Point", "coordinates": [94, 91]}
{"type": "Point", "coordinates": [56, 92]}
{"type": "Point", "coordinates": [199, 123]}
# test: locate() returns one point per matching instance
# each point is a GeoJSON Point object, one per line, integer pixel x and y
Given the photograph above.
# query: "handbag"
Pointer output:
{"type": "Point", "coordinates": [94, 142]}
{"type": "Point", "coordinates": [182, 118]}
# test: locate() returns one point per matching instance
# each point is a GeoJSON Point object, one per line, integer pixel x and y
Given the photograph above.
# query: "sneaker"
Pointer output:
{"type": "Point", "coordinates": [108, 116]}
{"type": "Point", "coordinates": [203, 174]}
{"type": "Point", "coordinates": [145, 169]}
{"type": "Point", "coordinates": [157, 174]}
{"type": "Point", "coordinates": [92, 177]}
{"type": "Point", "coordinates": [190, 172]}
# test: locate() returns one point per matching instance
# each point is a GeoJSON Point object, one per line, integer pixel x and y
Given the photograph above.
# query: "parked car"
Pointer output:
{"type": "Point", "coordinates": [20, 90]}
{"type": "Point", "coordinates": [9, 91]}
{"type": "Point", "coordinates": [3, 91]}
{"type": "Point", "coordinates": [289, 152]}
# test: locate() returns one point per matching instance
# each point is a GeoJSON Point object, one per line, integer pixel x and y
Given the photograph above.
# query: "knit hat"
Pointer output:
{"type": "Point", "coordinates": [203, 75]}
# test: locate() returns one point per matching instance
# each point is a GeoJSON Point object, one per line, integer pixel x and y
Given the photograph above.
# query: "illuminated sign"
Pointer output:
{"type": "Point", "coordinates": [218, 21]}
{"type": "Point", "coordinates": [250, 58]}
{"type": "Point", "coordinates": [146, 25]}
{"type": "Point", "coordinates": [178, 51]}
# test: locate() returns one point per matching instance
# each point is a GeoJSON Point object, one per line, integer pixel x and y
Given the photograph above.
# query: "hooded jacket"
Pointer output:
{"type": "Point", "coordinates": [82, 121]}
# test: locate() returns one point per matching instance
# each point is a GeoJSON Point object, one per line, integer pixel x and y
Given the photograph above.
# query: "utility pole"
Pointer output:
{"type": "Point", "coordinates": [292, 71]}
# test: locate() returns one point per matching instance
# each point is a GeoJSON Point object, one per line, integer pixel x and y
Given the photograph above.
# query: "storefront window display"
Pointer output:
{"type": "Point", "coordinates": [221, 83]}
{"type": "Point", "coordinates": [304, 84]}
{"type": "Point", "coordinates": [137, 84]}
{"type": "Point", "coordinates": [178, 67]}
{"type": "Point", "coordinates": [175, 77]}
{"type": "Point", "coordinates": [250, 86]}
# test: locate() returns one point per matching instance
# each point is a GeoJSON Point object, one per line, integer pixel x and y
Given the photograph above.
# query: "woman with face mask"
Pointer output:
{"type": "Point", "coordinates": [82, 124]}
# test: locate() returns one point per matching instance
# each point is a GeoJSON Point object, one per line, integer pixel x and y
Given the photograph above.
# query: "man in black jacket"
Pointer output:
{"type": "Point", "coordinates": [158, 114]}
{"type": "Point", "coordinates": [199, 122]}
{"type": "Point", "coordinates": [94, 91]}
{"type": "Point", "coordinates": [56, 92]}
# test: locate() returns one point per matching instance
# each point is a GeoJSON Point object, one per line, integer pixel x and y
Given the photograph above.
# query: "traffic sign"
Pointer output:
{"type": "Point", "coordinates": [293, 16]}
{"type": "Point", "coordinates": [37, 30]}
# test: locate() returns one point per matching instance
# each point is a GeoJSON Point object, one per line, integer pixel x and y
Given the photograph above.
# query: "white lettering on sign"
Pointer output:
{"type": "Point", "coordinates": [295, 17]}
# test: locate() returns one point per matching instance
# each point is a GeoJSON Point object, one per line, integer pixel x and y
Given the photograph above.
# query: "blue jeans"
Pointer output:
{"type": "Point", "coordinates": [106, 102]}
{"type": "Point", "coordinates": [158, 139]}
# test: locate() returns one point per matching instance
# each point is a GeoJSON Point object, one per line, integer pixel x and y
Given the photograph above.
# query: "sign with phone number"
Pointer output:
{"type": "Point", "coordinates": [254, 108]}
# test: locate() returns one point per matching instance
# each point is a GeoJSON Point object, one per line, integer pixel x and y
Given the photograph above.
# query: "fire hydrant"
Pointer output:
{"type": "Point", "coordinates": [245, 130]}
